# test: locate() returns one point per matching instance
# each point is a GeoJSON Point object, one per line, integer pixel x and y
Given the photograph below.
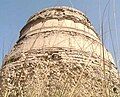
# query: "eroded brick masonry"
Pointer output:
{"type": "Point", "coordinates": [59, 54]}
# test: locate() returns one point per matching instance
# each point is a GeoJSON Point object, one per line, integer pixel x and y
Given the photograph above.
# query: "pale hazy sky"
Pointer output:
{"type": "Point", "coordinates": [14, 14]}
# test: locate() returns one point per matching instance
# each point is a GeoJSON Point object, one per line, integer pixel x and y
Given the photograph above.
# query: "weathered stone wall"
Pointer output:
{"type": "Point", "coordinates": [59, 54]}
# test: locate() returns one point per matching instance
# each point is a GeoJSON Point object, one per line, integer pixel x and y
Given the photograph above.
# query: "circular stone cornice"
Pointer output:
{"type": "Point", "coordinates": [60, 13]}
{"type": "Point", "coordinates": [62, 8]}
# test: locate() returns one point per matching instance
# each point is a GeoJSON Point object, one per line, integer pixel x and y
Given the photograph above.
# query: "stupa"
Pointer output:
{"type": "Point", "coordinates": [59, 54]}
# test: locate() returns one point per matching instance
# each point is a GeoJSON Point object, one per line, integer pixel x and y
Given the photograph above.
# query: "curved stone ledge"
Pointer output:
{"type": "Point", "coordinates": [53, 14]}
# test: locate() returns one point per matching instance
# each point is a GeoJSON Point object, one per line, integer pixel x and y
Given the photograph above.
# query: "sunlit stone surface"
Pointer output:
{"type": "Point", "coordinates": [59, 54]}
